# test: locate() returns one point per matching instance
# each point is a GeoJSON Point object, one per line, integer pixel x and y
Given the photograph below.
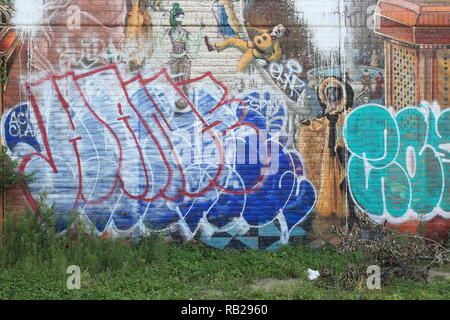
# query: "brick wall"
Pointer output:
{"type": "Point", "coordinates": [241, 146]}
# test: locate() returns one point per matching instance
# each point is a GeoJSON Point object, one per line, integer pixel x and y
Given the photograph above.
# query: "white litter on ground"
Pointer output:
{"type": "Point", "coordinates": [312, 274]}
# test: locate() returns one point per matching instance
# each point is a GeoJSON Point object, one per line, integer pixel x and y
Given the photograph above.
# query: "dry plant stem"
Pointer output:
{"type": "Point", "coordinates": [397, 254]}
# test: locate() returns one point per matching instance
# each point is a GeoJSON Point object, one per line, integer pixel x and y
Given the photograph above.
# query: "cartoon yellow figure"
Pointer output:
{"type": "Point", "coordinates": [262, 49]}
{"type": "Point", "coordinates": [157, 4]}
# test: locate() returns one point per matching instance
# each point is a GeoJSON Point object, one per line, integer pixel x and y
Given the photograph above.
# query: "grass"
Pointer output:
{"type": "Point", "coordinates": [33, 265]}
{"type": "Point", "coordinates": [189, 272]}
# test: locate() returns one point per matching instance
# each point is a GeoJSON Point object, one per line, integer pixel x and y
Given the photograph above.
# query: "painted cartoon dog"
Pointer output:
{"type": "Point", "coordinates": [262, 49]}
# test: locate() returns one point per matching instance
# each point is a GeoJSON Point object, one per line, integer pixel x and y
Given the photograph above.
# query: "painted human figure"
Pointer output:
{"type": "Point", "coordinates": [229, 25]}
{"type": "Point", "coordinates": [262, 49]}
{"type": "Point", "coordinates": [347, 76]}
{"type": "Point", "coordinates": [180, 61]}
{"type": "Point", "coordinates": [335, 97]}
{"type": "Point", "coordinates": [379, 82]}
{"type": "Point", "coordinates": [366, 81]}
{"type": "Point", "coordinates": [374, 59]}
{"type": "Point", "coordinates": [157, 4]}
{"type": "Point", "coordinates": [320, 141]}
{"type": "Point", "coordinates": [365, 58]}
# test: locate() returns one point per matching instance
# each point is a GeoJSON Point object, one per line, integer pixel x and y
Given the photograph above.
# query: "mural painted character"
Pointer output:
{"type": "Point", "coordinates": [374, 59]}
{"type": "Point", "coordinates": [262, 49]}
{"type": "Point", "coordinates": [138, 31]}
{"type": "Point", "coordinates": [227, 20]}
{"type": "Point", "coordinates": [366, 80]}
{"type": "Point", "coordinates": [157, 4]}
{"type": "Point", "coordinates": [335, 97]}
{"type": "Point", "coordinates": [180, 62]}
{"type": "Point", "coordinates": [379, 80]}
{"type": "Point", "coordinates": [322, 145]}
{"type": "Point", "coordinates": [347, 77]}
{"type": "Point", "coordinates": [14, 38]}
{"type": "Point", "coordinates": [365, 58]}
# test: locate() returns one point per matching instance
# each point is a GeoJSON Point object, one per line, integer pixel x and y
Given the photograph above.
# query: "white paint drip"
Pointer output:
{"type": "Point", "coordinates": [411, 161]}
{"type": "Point", "coordinates": [27, 17]}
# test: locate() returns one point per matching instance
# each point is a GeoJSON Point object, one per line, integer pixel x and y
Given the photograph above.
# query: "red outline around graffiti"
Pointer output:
{"type": "Point", "coordinates": [162, 125]}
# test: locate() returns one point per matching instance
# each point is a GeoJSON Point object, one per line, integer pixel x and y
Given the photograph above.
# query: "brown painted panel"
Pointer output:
{"type": "Point", "coordinates": [395, 30]}
{"type": "Point", "coordinates": [433, 19]}
{"type": "Point", "coordinates": [397, 13]}
{"type": "Point", "coordinates": [432, 35]}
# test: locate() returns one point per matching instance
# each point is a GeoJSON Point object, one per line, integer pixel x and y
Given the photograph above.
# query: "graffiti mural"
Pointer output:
{"type": "Point", "coordinates": [286, 75]}
{"type": "Point", "coordinates": [128, 163]}
{"type": "Point", "coordinates": [262, 49]}
{"type": "Point", "coordinates": [240, 123]}
{"type": "Point", "coordinates": [402, 171]}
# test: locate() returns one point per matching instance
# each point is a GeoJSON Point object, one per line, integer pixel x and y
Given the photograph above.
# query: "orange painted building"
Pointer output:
{"type": "Point", "coordinates": [417, 49]}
